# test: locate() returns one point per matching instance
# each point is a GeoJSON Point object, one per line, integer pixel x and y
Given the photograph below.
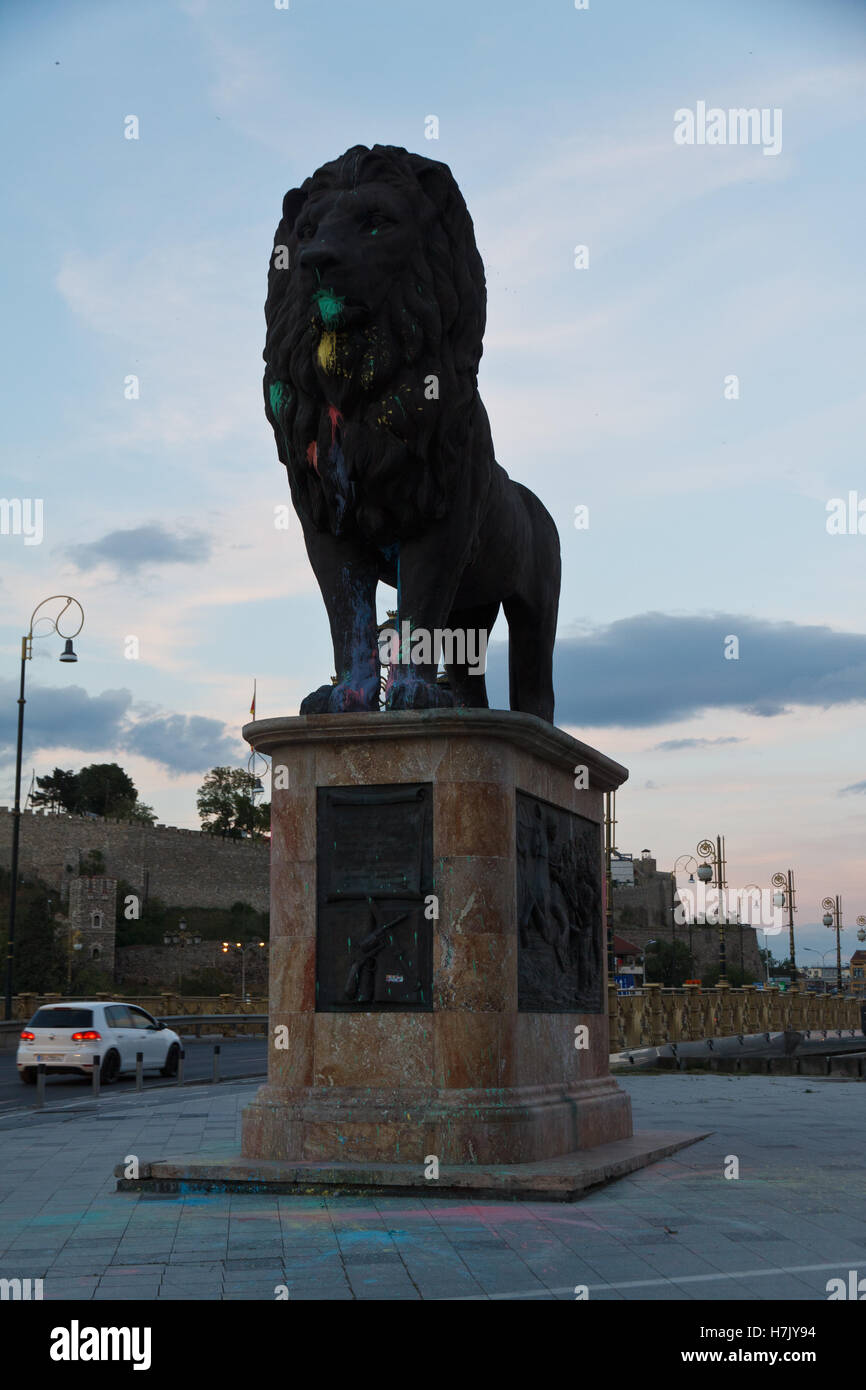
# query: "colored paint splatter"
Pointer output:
{"type": "Point", "coordinates": [330, 306]}
{"type": "Point", "coordinates": [327, 352]}
{"type": "Point", "coordinates": [280, 394]}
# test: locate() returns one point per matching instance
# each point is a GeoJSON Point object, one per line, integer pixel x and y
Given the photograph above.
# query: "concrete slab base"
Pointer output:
{"type": "Point", "coordinates": [563, 1179]}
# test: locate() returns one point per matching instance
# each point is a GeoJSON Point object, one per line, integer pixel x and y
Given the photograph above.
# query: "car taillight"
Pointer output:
{"type": "Point", "coordinates": [90, 1036]}
{"type": "Point", "coordinates": [28, 1037]}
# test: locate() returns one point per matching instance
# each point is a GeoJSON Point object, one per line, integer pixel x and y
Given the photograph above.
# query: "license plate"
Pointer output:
{"type": "Point", "coordinates": [48, 1056]}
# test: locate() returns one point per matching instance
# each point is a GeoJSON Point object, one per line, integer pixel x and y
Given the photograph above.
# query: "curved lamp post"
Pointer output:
{"type": "Point", "coordinates": [815, 952]}
{"type": "Point", "coordinates": [713, 871]}
{"type": "Point", "coordinates": [833, 918]}
{"type": "Point", "coordinates": [784, 897]}
{"type": "Point", "coordinates": [674, 891]}
{"type": "Point", "coordinates": [68, 654]}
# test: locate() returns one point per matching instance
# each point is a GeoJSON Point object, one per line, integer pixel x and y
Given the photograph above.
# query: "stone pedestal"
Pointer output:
{"type": "Point", "coordinates": [491, 1048]}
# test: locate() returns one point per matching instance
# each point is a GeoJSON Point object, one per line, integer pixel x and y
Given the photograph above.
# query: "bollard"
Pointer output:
{"type": "Point", "coordinates": [40, 1085]}
{"type": "Point", "coordinates": [139, 1070]}
{"type": "Point", "coordinates": [96, 1064]}
{"type": "Point", "coordinates": [216, 1062]}
{"type": "Point", "coordinates": [179, 1076]}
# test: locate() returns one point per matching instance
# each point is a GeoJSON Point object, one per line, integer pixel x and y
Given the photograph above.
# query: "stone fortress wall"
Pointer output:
{"type": "Point", "coordinates": [181, 867]}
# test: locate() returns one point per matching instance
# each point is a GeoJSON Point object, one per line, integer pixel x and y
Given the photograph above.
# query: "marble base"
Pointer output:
{"type": "Point", "coordinates": [563, 1179]}
{"type": "Point", "coordinates": [473, 1080]}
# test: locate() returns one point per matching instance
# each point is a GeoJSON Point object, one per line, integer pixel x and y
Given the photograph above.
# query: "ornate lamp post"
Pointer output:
{"type": "Point", "coordinates": [833, 918]}
{"type": "Point", "coordinates": [784, 897]}
{"type": "Point", "coordinates": [181, 940]}
{"type": "Point", "coordinates": [713, 871]}
{"type": "Point", "coordinates": [68, 654]}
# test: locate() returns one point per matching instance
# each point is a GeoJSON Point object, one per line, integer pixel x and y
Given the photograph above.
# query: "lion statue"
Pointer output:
{"type": "Point", "coordinates": [375, 315]}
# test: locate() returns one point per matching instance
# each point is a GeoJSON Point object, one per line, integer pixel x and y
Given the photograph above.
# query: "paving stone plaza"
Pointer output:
{"type": "Point", "coordinates": [677, 1230]}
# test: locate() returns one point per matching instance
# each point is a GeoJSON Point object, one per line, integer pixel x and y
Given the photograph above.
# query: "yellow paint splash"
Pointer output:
{"type": "Point", "coordinates": [327, 352]}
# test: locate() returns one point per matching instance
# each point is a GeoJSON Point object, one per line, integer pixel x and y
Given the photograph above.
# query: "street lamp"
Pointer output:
{"type": "Point", "coordinates": [714, 870]}
{"type": "Point", "coordinates": [68, 654]}
{"type": "Point", "coordinates": [784, 897]}
{"type": "Point", "coordinates": [674, 891]}
{"type": "Point", "coordinates": [822, 954]}
{"type": "Point", "coordinates": [833, 918]}
{"type": "Point", "coordinates": [181, 941]}
{"type": "Point", "coordinates": [243, 947]}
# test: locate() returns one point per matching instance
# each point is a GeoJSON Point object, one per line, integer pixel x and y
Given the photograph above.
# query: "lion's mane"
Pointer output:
{"type": "Point", "coordinates": [402, 462]}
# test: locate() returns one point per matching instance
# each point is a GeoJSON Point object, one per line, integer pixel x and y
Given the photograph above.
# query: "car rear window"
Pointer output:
{"type": "Point", "coordinates": [62, 1018]}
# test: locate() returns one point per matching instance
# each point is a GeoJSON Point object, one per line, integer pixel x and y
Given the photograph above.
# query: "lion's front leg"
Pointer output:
{"type": "Point", "coordinates": [347, 578]}
{"type": "Point", "coordinates": [430, 571]}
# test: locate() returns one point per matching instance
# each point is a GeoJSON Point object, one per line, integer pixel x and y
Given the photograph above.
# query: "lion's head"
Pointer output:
{"type": "Point", "coordinates": [375, 316]}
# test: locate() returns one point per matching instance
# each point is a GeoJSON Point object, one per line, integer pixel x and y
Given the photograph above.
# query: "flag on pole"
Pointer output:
{"type": "Point", "coordinates": [253, 705]}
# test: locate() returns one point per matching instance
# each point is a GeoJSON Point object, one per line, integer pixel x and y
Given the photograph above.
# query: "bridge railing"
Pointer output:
{"type": "Point", "coordinates": [661, 1015]}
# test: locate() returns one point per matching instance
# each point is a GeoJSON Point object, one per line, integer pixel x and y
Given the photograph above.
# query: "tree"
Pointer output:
{"type": "Point", "coordinates": [104, 789]}
{"type": "Point", "coordinates": [100, 789]}
{"type": "Point", "coordinates": [58, 791]}
{"type": "Point", "coordinates": [226, 806]}
{"type": "Point", "coordinates": [40, 961]}
{"type": "Point", "coordinates": [668, 963]}
{"type": "Point", "coordinates": [735, 976]}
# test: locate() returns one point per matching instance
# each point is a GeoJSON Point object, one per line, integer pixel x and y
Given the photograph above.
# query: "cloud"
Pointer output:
{"type": "Point", "coordinates": [68, 717]}
{"type": "Point", "coordinates": [855, 789]}
{"type": "Point", "coordinates": [141, 546]}
{"type": "Point", "coordinates": [673, 745]}
{"type": "Point", "coordinates": [182, 743]}
{"type": "Point", "coordinates": [655, 668]}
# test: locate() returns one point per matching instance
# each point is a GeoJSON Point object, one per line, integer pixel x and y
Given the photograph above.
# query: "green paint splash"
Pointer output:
{"type": "Point", "coordinates": [330, 306]}
{"type": "Point", "coordinates": [280, 394]}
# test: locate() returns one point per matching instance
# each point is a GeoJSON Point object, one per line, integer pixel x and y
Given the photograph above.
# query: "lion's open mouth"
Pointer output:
{"type": "Point", "coordinates": [336, 310]}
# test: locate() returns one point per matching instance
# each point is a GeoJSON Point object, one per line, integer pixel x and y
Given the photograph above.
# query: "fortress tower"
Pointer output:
{"type": "Point", "coordinates": [93, 919]}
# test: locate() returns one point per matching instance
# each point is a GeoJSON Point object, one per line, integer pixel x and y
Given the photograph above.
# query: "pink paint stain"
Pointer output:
{"type": "Point", "coordinates": [313, 455]}
{"type": "Point", "coordinates": [336, 420]}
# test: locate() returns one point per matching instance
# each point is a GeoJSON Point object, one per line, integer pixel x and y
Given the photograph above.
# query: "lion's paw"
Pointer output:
{"type": "Point", "coordinates": [408, 693]}
{"type": "Point", "coordinates": [345, 697]}
{"type": "Point", "coordinates": [318, 702]}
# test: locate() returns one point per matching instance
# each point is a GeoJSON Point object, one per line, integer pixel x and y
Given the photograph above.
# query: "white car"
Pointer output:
{"type": "Point", "coordinates": [67, 1037]}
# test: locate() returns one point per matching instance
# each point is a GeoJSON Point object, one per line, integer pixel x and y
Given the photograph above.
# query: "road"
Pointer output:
{"type": "Point", "coordinates": [238, 1057]}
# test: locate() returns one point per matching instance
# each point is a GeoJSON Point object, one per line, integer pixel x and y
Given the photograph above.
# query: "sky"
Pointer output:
{"type": "Point", "coordinates": [608, 385]}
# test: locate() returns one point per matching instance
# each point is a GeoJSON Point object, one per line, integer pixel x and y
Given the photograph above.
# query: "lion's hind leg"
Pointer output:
{"type": "Point", "coordinates": [468, 685]}
{"type": "Point", "coordinates": [531, 612]}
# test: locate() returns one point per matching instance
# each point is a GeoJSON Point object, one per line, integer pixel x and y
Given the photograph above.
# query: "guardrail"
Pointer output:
{"type": "Point", "coordinates": [228, 1026]}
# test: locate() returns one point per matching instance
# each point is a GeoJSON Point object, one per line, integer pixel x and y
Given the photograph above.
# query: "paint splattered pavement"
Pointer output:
{"type": "Point", "coordinates": [794, 1218]}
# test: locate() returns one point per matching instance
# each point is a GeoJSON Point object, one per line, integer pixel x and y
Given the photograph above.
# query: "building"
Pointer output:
{"type": "Point", "coordinates": [647, 907]}
{"type": "Point", "coordinates": [825, 975]}
{"type": "Point", "coordinates": [629, 965]}
{"type": "Point", "coordinates": [857, 973]}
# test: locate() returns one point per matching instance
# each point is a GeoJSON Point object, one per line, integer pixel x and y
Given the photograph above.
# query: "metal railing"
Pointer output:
{"type": "Point", "coordinates": [662, 1015]}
